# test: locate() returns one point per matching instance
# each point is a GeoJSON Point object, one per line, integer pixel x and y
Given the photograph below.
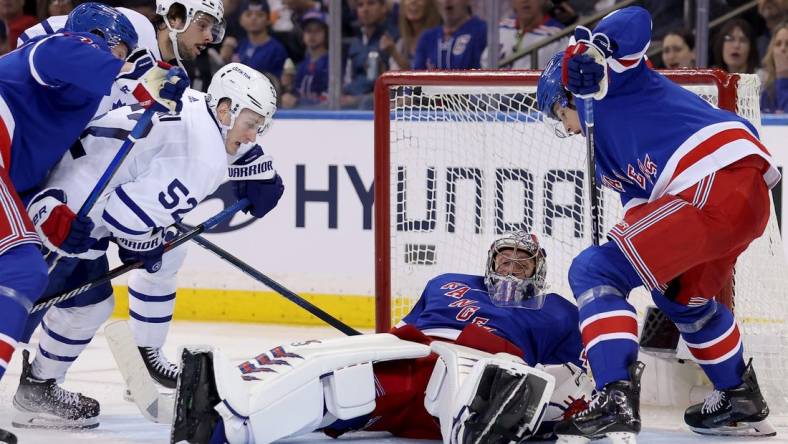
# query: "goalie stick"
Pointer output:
{"type": "Point", "coordinates": [208, 224]}
{"type": "Point", "coordinates": [154, 406]}
{"type": "Point", "coordinates": [272, 284]}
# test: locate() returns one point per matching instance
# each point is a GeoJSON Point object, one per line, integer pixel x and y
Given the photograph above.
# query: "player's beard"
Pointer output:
{"type": "Point", "coordinates": [185, 51]}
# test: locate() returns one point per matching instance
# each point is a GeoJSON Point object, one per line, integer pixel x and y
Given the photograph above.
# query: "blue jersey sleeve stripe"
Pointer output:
{"type": "Point", "coordinates": [141, 318]}
{"type": "Point", "coordinates": [126, 199]}
{"type": "Point", "coordinates": [119, 226]}
{"type": "Point", "coordinates": [150, 298]}
{"type": "Point", "coordinates": [24, 37]}
{"type": "Point", "coordinates": [32, 64]}
{"type": "Point", "coordinates": [47, 27]}
{"type": "Point", "coordinates": [63, 339]}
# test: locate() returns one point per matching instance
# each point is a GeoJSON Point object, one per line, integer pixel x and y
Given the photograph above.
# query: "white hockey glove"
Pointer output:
{"type": "Point", "coordinates": [60, 229]}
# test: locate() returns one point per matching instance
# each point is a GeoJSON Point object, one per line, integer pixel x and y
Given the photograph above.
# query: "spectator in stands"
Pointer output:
{"type": "Point", "coordinates": [734, 47]}
{"type": "Point", "coordinates": [258, 49]}
{"type": "Point", "coordinates": [774, 97]}
{"type": "Point", "coordinates": [529, 25]}
{"type": "Point", "coordinates": [773, 13]}
{"type": "Point", "coordinates": [311, 80]}
{"type": "Point", "coordinates": [232, 16]}
{"type": "Point", "coordinates": [415, 17]}
{"type": "Point", "coordinates": [678, 49]}
{"type": "Point", "coordinates": [15, 20]}
{"type": "Point", "coordinates": [49, 8]}
{"type": "Point", "coordinates": [292, 38]}
{"type": "Point", "coordinates": [457, 44]}
{"type": "Point", "coordinates": [365, 58]}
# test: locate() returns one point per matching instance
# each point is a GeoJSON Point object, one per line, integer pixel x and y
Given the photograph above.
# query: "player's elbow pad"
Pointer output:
{"type": "Point", "coordinates": [125, 219]}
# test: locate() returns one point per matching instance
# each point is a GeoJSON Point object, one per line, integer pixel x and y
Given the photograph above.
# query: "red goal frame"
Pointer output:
{"type": "Point", "coordinates": [727, 99]}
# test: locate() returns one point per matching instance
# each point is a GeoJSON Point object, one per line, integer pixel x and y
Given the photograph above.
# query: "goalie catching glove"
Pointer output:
{"type": "Point", "coordinates": [585, 64]}
{"type": "Point", "coordinates": [148, 250]}
{"type": "Point", "coordinates": [60, 229]}
{"type": "Point", "coordinates": [157, 85]}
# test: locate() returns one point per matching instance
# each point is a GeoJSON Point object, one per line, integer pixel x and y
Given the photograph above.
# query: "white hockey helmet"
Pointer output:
{"type": "Point", "coordinates": [193, 9]}
{"type": "Point", "coordinates": [246, 88]}
{"type": "Point", "coordinates": [507, 290]}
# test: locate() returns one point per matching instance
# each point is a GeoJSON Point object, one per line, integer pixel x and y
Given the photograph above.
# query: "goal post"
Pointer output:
{"type": "Point", "coordinates": [463, 156]}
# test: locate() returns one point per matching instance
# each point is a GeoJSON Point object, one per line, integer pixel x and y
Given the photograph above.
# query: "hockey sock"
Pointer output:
{"type": "Point", "coordinates": [150, 315]}
{"type": "Point", "coordinates": [713, 339]}
{"type": "Point", "coordinates": [21, 283]}
{"type": "Point", "coordinates": [601, 277]}
{"type": "Point", "coordinates": [65, 332]}
{"type": "Point", "coordinates": [608, 325]}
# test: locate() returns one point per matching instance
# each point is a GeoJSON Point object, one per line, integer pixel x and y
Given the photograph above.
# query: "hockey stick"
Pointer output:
{"type": "Point", "coordinates": [153, 405]}
{"type": "Point", "coordinates": [593, 192]}
{"type": "Point", "coordinates": [112, 274]}
{"type": "Point", "coordinates": [272, 284]}
{"type": "Point", "coordinates": [140, 129]}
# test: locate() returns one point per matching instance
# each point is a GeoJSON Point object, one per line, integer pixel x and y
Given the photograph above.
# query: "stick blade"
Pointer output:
{"type": "Point", "coordinates": [153, 406]}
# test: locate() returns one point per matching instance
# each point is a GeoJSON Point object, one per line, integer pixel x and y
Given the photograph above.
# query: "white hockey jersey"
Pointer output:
{"type": "Point", "coordinates": [121, 90]}
{"type": "Point", "coordinates": [512, 40]}
{"type": "Point", "coordinates": [179, 162]}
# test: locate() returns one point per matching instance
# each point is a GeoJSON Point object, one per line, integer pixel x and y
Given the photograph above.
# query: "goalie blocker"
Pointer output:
{"type": "Point", "coordinates": [340, 385]}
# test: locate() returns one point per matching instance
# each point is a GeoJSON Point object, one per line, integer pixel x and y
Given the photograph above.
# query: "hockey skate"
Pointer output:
{"type": "Point", "coordinates": [740, 411]}
{"type": "Point", "coordinates": [613, 412]}
{"type": "Point", "coordinates": [195, 397]}
{"type": "Point", "coordinates": [161, 370]}
{"type": "Point", "coordinates": [44, 404]}
{"type": "Point", "coordinates": [7, 437]}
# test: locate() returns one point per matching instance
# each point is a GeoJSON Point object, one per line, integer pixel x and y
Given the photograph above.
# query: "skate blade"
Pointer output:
{"type": "Point", "coordinates": [572, 439]}
{"type": "Point", "coordinates": [34, 420]}
{"type": "Point", "coordinates": [622, 438]}
{"type": "Point", "coordinates": [757, 429]}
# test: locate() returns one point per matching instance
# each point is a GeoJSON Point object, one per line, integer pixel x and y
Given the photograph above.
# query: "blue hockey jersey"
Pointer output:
{"type": "Point", "coordinates": [652, 136]}
{"type": "Point", "coordinates": [49, 90]}
{"type": "Point", "coordinates": [449, 302]}
{"type": "Point", "coordinates": [461, 50]}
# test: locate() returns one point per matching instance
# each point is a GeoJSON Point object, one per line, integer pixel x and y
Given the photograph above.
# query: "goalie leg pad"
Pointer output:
{"type": "Point", "coordinates": [297, 388]}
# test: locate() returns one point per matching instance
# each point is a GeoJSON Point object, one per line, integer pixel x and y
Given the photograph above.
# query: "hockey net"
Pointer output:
{"type": "Point", "coordinates": [463, 157]}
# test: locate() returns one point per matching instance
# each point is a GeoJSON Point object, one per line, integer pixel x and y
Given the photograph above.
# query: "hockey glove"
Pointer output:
{"type": "Point", "coordinates": [159, 84]}
{"type": "Point", "coordinates": [263, 195]}
{"type": "Point", "coordinates": [147, 250]}
{"type": "Point", "coordinates": [584, 66]}
{"type": "Point", "coordinates": [60, 229]}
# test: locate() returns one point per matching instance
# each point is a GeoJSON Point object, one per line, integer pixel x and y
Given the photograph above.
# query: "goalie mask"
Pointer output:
{"type": "Point", "coordinates": [513, 280]}
{"type": "Point", "coordinates": [246, 89]}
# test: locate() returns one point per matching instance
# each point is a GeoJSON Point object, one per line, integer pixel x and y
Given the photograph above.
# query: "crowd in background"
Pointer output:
{"type": "Point", "coordinates": [288, 39]}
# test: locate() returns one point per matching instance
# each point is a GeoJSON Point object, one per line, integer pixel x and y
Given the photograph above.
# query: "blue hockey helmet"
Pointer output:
{"type": "Point", "coordinates": [104, 21]}
{"type": "Point", "coordinates": [550, 90]}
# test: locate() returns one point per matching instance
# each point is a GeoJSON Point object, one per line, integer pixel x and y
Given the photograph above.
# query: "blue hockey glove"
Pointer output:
{"type": "Point", "coordinates": [148, 250]}
{"type": "Point", "coordinates": [584, 66]}
{"type": "Point", "coordinates": [263, 194]}
{"type": "Point", "coordinates": [59, 228]}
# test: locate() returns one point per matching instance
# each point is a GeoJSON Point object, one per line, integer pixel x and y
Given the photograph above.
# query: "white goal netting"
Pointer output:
{"type": "Point", "coordinates": [463, 158]}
